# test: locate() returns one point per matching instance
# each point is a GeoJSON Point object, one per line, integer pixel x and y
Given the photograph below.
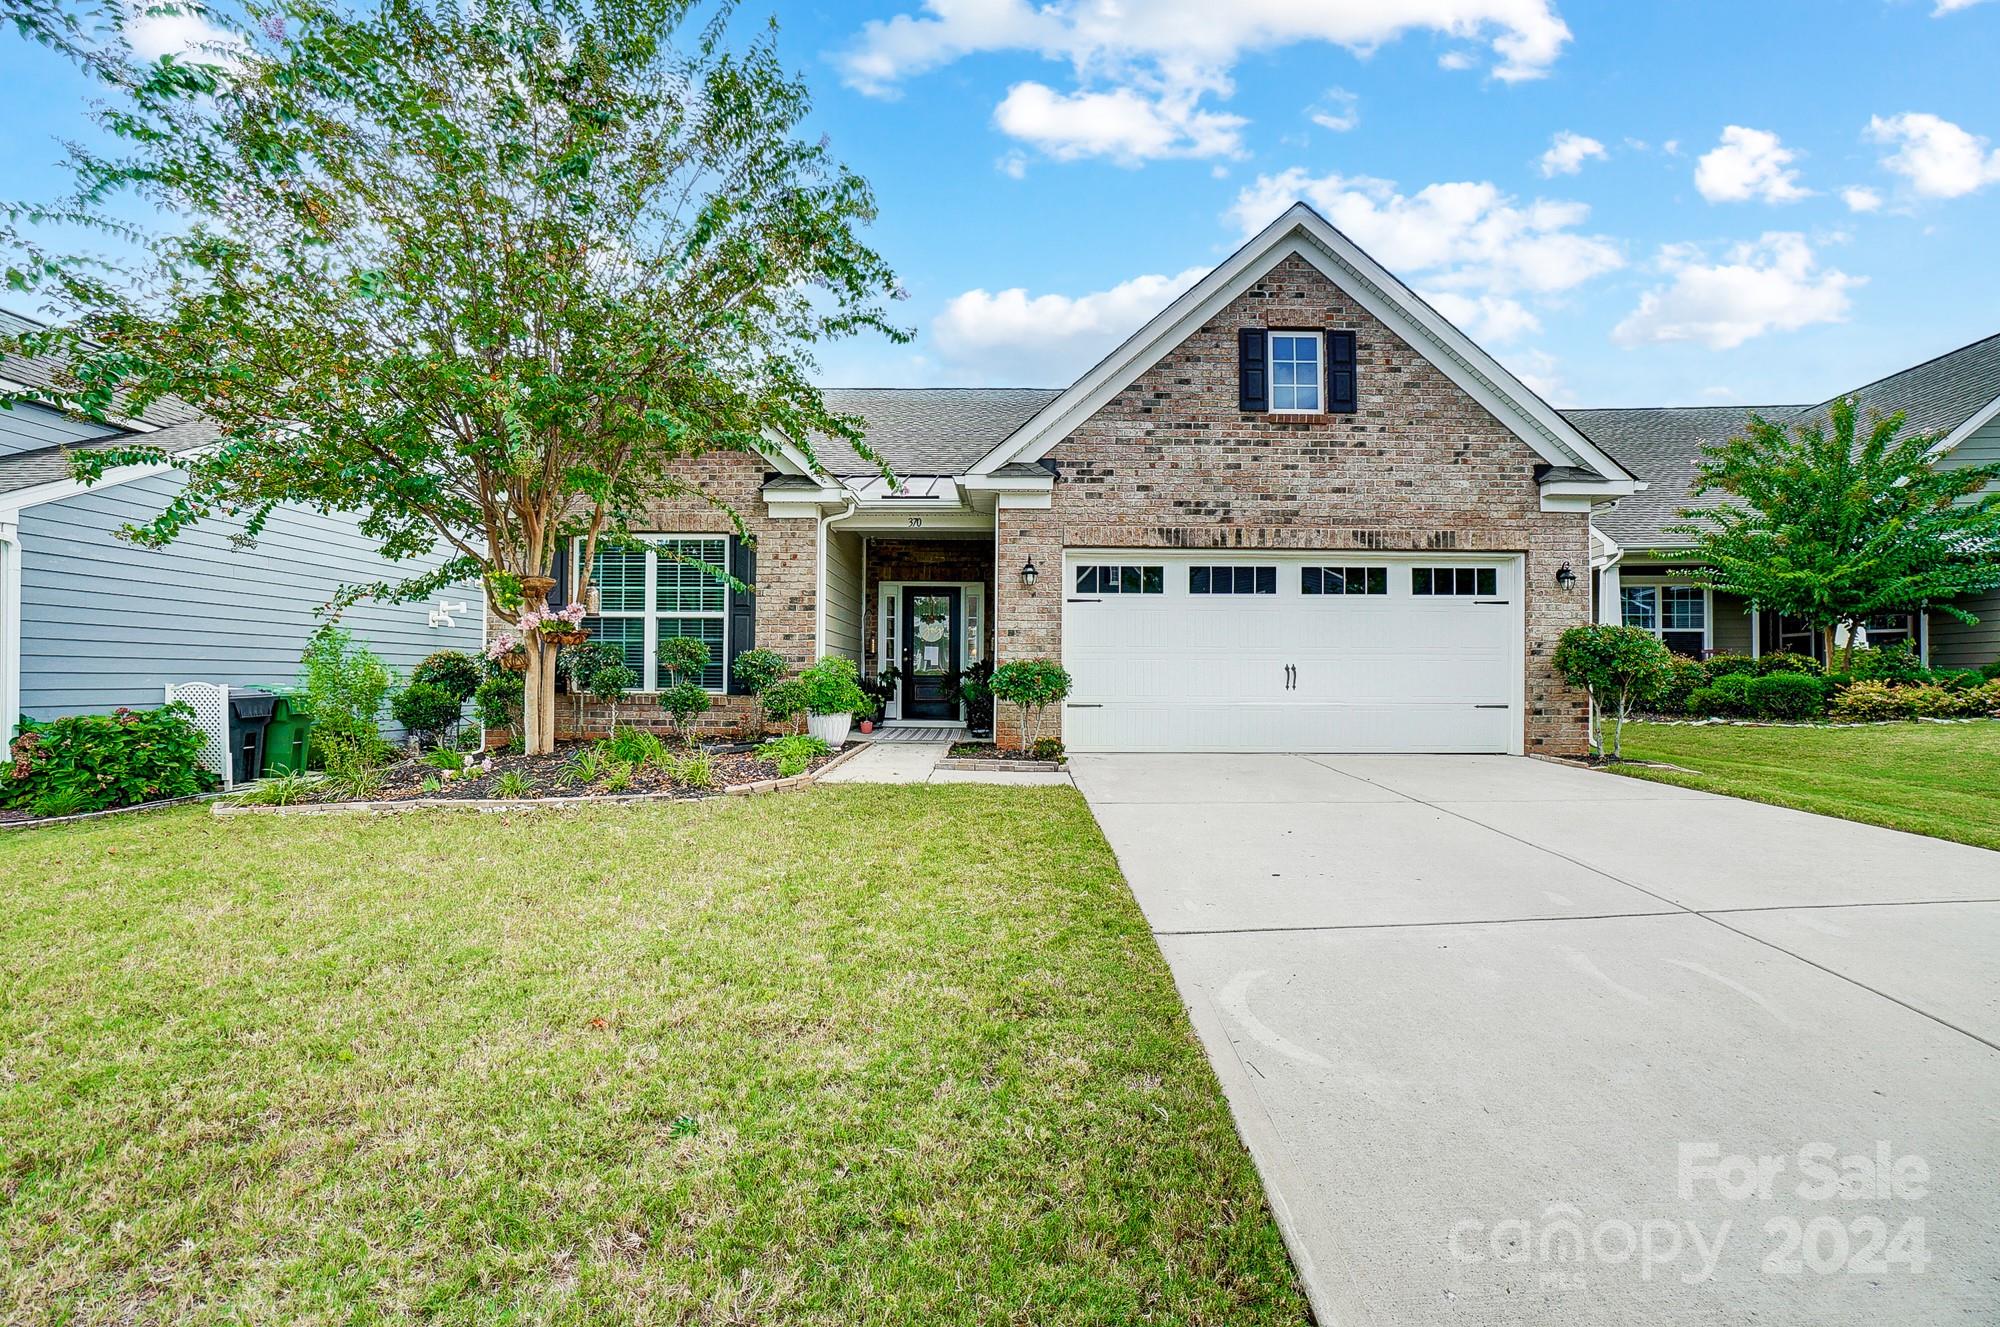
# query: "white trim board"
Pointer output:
{"type": "Point", "coordinates": [1304, 233]}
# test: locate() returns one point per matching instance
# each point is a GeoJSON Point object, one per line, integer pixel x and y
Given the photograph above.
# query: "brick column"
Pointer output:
{"type": "Point", "coordinates": [1027, 624]}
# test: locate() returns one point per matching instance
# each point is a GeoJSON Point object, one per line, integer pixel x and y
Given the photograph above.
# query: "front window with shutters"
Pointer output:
{"type": "Point", "coordinates": [672, 587]}
{"type": "Point", "coordinates": [1295, 373]}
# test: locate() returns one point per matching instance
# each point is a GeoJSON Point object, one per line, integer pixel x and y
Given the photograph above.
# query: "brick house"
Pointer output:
{"type": "Point", "coordinates": [1297, 510]}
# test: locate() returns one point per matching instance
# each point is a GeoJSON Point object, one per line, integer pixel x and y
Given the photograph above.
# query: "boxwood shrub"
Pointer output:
{"type": "Point", "coordinates": [1726, 697]}
{"type": "Point", "coordinates": [1787, 697]}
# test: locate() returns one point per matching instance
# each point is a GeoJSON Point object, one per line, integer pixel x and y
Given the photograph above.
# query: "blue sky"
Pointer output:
{"type": "Point", "coordinates": [1681, 202]}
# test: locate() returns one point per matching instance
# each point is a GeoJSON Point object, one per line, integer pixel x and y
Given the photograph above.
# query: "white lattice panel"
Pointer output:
{"type": "Point", "coordinates": [210, 703]}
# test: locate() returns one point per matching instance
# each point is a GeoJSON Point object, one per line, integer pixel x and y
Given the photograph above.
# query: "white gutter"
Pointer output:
{"type": "Point", "coordinates": [10, 626]}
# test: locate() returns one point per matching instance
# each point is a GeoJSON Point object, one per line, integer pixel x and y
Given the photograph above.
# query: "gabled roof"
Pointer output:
{"type": "Point", "coordinates": [926, 430]}
{"type": "Point", "coordinates": [1661, 445]}
{"type": "Point", "coordinates": [1940, 395]}
{"type": "Point", "coordinates": [1304, 232]}
{"type": "Point", "coordinates": [42, 372]}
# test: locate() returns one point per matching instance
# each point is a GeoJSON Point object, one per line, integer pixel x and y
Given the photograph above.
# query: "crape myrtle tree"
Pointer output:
{"type": "Point", "coordinates": [485, 273]}
{"type": "Point", "coordinates": [1833, 529]}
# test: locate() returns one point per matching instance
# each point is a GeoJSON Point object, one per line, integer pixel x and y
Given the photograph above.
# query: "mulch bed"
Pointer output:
{"type": "Point", "coordinates": [549, 776]}
{"type": "Point", "coordinates": [988, 751]}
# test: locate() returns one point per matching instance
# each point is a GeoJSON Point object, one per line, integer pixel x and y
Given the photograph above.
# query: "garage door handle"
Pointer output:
{"type": "Point", "coordinates": [1502, 602]}
{"type": "Point", "coordinates": [1085, 601]}
{"type": "Point", "coordinates": [1502, 706]}
{"type": "Point", "coordinates": [1085, 705]}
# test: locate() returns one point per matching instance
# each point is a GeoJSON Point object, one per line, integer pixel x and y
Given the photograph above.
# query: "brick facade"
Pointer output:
{"type": "Point", "coordinates": [925, 560]}
{"type": "Point", "coordinates": [787, 586]}
{"type": "Point", "coordinates": [1172, 463]}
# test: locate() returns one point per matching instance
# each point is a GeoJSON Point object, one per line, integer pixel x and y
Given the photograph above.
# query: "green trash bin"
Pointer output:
{"type": "Point", "coordinates": [287, 739]}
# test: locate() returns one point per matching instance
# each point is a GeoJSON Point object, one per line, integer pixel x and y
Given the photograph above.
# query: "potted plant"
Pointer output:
{"type": "Point", "coordinates": [509, 651]}
{"type": "Point", "coordinates": [833, 696]}
{"type": "Point", "coordinates": [558, 626]}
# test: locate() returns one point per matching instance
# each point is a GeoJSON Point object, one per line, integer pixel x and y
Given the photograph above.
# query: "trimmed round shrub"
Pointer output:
{"type": "Point", "coordinates": [1891, 663]}
{"type": "Point", "coordinates": [1728, 665]}
{"type": "Point", "coordinates": [1684, 677]}
{"type": "Point", "coordinates": [686, 702]}
{"type": "Point", "coordinates": [754, 670]}
{"type": "Point", "coordinates": [683, 658]}
{"type": "Point", "coordinates": [1871, 702]}
{"type": "Point", "coordinates": [497, 701]}
{"type": "Point", "coordinates": [784, 702]}
{"type": "Point", "coordinates": [1991, 672]}
{"type": "Point", "coordinates": [1727, 697]}
{"type": "Point", "coordinates": [577, 664]}
{"type": "Point", "coordinates": [1787, 661]}
{"type": "Point", "coordinates": [426, 710]}
{"type": "Point", "coordinates": [451, 670]}
{"type": "Point", "coordinates": [1787, 697]}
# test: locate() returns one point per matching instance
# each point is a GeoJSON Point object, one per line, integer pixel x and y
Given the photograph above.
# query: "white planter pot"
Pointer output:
{"type": "Point", "coordinates": [831, 729]}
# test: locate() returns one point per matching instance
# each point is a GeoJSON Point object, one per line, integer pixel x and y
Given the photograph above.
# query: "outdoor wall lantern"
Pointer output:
{"type": "Point", "coordinates": [1028, 574]}
{"type": "Point", "coordinates": [1565, 578]}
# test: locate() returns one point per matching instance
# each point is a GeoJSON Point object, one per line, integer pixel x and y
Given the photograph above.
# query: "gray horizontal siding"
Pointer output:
{"type": "Point", "coordinates": [105, 623]}
{"type": "Point", "coordinates": [26, 428]}
{"type": "Point", "coordinates": [1730, 632]}
{"type": "Point", "coordinates": [1955, 645]}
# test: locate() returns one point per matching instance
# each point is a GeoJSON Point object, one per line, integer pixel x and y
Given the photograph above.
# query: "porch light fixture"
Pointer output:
{"type": "Point", "coordinates": [1028, 574]}
{"type": "Point", "coordinates": [1565, 578]}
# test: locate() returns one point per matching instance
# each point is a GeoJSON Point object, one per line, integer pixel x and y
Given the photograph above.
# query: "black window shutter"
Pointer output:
{"type": "Point", "coordinates": [1343, 389]}
{"type": "Point", "coordinates": [560, 596]}
{"type": "Point", "coordinates": [742, 609]}
{"type": "Point", "coordinates": [1252, 374]}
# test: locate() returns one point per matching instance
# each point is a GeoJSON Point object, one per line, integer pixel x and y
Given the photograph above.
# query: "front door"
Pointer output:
{"type": "Point", "coordinates": [932, 623]}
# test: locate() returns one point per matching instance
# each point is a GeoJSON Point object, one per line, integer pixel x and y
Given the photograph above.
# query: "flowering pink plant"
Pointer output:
{"type": "Point", "coordinates": [502, 645]}
{"type": "Point", "coordinates": [565, 619]}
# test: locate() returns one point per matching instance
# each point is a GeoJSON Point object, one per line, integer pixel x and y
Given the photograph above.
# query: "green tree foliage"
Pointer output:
{"type": "Point", "coordinates": [683, 659]}
{"type": "Point", "coordinates": [454, 670]}
{"type": "Point", "coordinates": [1621, 667]}
{"type": "Point", "coordinates": [343, 686]}
{"type": "Point", "coordinates": [427, 711]}
{"type": "Point", "coordinates": [1034, 685]}
{"type": "Point", "coordinates": [1831, 528]}
{"type": "Point", "coordinates": [485, 273]}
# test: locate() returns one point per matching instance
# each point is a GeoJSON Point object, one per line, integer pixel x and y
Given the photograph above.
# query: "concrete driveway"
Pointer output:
{"type": "Point", "coordinates": [1514, 1042]}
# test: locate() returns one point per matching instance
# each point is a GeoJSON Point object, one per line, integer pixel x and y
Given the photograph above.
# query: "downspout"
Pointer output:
{"type": "Point", "coordinates": [819, 596]}
{"type": "Point", "coordinates": [10, 626]}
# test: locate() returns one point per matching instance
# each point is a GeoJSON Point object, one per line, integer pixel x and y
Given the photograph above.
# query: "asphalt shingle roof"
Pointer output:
{"type": "Point", "coordinates": [927, 430]}
{"type": "Point", "coordinates": [46, 465]}
{"type": "Point", "coordinates": [1660, 445]}
{"type": "Point", "coordinates": [1935, 396]}
{"type": "Point", "coordinates": [44, 372]}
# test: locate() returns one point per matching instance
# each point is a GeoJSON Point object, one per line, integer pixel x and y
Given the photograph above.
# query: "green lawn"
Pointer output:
{"type": "Point", "coordinates": [1936, 779]}
{"type": "Point", "coordinates": [855, 1056]}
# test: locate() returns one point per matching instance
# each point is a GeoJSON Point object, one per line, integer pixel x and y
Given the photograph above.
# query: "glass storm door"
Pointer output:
{"type": "Point", "coordinates": [932, 623]}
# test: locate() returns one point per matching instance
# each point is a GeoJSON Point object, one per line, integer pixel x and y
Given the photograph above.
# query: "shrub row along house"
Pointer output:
{"type": "Point", "coordinates": [1297, 510]}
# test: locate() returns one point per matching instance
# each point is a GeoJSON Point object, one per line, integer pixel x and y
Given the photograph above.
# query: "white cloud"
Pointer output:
{"type": "Point", "coordinates": [1939, 159]}
{"type": "Point", "coordinates": [1567, 153]}
{"type": "Point", "coordinates": [1773, 284]}
{"type": "Point", "coordinates": [1860, 198]}
{"type": "Point", "coordinates": [1172, 53]}
{"type": "Point", "coordinates": [181, 35]}
{"type": "Point", "coordinates": [1539, 370]}
{"type": "Point", "coordinates": [1337, 109]}
{"type": "Point", "coordinates": [1125, 125]}
{"type": "Point", "coordinates": [1461, 236]}
{"type": "Point", "coordinates": [1486, 318]}
{"type": "Point", "coordinates": [1010, 336]}
{"type": "Point", "coordinates": [1952, 7]}
{"type": "Point", "coordinates": [1014, 165]}
{"type": "Point", "coordinates": [1457, 60]}
{"type": "Point", "coordinates": [1749, 163]}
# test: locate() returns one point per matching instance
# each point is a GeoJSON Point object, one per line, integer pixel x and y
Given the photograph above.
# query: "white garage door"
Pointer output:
{"type": "Point", "coordinates": [1323, 652]}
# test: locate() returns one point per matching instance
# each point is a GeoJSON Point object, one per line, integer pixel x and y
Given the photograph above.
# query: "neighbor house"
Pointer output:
{"type": "Point", "coordinates": [90, 621]}
{"type": "Point", "coordinates": [1955, 397]}
{"type": "Point", "coordinates": [1296, 511]}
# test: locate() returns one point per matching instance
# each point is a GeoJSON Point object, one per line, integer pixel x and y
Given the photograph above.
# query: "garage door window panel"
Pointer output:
{"type": "Point", "coordinates": [1455, 582]}
{"type": "Point", "coordinates": [1220, 579]}
{"type": "Point", "coordinates": [1344, 580]}
{"type": "Point", "coordinates": [1121, 579]}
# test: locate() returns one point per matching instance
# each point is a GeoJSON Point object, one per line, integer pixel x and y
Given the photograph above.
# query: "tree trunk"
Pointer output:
{"type": "Point", "coordinates": [1847, 658]}
{"type": "Point", "coordinates": [1826, 635]}
{"type": "Point", "coordinates": [538, 699]}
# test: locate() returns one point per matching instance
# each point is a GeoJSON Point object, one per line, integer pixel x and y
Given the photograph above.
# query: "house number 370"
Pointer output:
{"type": "Point", "coordinates": [916, 522]}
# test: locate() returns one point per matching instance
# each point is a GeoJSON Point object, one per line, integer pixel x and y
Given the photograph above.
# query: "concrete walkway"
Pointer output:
{"type": "Point", "coordinates": [1489, 1024]}
{"type": "Point", "coordinates": [905, 761]}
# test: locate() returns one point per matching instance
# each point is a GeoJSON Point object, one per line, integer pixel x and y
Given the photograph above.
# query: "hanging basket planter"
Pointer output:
{"type": "Point", "coordinates": [514, 661]}
{"type": "Point", "coordinates": [576, 637]}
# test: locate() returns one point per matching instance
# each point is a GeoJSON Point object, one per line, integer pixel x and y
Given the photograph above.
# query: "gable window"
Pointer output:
{"type": "Point", "coordinates": [1676, 614]}
{"type": "Point", "coordinates": [1121, 580]}
{"type": "Point", "coordinates": [672, 588]}
{"type": "Point", "coordinates": [1343, 580]}
{"type": "Point", "coordinates": [1468, 581]}
{"type": "Point", "coordinates": [1296, 387]}
{"type": "Point", "coordinates": [1232, 580]}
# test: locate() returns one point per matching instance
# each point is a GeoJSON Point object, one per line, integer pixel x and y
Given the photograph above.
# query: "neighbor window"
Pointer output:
{"type": "Point", "coordinates": [1295, 373]}
{"type": "Point", "coordinates": [1344, 580]}
{"type": "Point", "coordinates": [1232, 580]}
{"type": "Point", "coordinates": [1121, 580]}
{"type": "Point", "coordinates": [673, 588]}
{"type": "Point", "coordinates": [1677, 614]}
{"type": "Point", "coordinates": [1436, 581]}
